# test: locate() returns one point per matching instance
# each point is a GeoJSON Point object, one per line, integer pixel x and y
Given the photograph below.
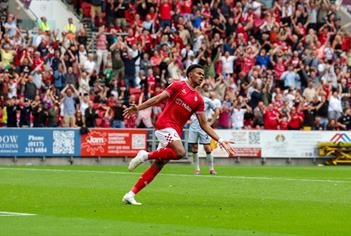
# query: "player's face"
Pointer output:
{"type": "Point", "coordinates": [197, 76]}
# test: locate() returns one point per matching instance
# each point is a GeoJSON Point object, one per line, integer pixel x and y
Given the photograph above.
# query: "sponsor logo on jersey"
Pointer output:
{"type": "Point", "coordinates": [183, 104]}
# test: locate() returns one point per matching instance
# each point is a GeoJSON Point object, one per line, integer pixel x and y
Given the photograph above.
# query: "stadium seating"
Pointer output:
{"type": "Point", "coordinates": [286, 66]}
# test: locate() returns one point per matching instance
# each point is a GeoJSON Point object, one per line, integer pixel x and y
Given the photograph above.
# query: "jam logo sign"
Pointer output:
{"type": "Point", "coordinates": [93, 143]}
{"type": "Point", "coordinates": [113, 142]}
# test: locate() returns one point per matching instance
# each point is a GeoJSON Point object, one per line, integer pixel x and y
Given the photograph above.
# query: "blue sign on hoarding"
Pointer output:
{"type": "Point", "coordinates": [39, 142]}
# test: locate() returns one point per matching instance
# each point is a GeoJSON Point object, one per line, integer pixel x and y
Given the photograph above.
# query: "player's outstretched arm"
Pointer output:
{"type": "Point", "coordinates": [208, 129]}
{"type": "Point", "coordinates": [148, 103]}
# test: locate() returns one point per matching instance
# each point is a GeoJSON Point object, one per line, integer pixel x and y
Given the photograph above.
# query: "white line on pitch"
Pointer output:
{"type": "Point", "coordinates": [6, 213]}
{"type": "Point", "coordinates": [348, 181]}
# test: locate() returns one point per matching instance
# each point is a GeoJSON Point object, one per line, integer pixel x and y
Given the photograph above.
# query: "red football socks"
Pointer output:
{"type": "Point", "coordinates": [149, 174]}
{"type": "Point", "coordinates": [163, 153]}
{"type": "Point", "coordinates": [146, 178]}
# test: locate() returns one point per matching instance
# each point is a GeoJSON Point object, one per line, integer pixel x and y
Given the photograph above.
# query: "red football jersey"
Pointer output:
{"type": "Point", "coordinates": [270, 120]}
{"type": "Point", "coordinates": [182, 103]}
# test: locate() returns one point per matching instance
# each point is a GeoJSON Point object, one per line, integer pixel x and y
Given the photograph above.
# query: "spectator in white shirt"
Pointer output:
{"type": "Point", "coordinates": [186, 52]}
{"type": "Point", "coordinates": [238, 115]}
{"type": "Point", "coordinates": [335, 108]}
{"type": "Point", "coordinates": [228, 63]}
{"type": "Point", "coordinates": [89, 65]}
{"type": "Point", "coordinates": [84, 83]}
{"type": "Point", "coordinates": [255, 6]}
{"type": "Point", "coordinates": [84, 103]}
{"type": "Point", "coordinates": [328, 52]}
{"type": "Point", "coordinates": [82, 54]}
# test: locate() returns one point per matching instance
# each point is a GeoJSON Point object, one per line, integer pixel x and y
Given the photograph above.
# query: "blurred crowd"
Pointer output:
{"type": "Point", "coordinates": [282, 64]}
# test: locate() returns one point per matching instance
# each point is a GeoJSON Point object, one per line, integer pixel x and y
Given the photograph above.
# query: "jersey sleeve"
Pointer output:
{"type": "Point", "coordinates": [200, 106]}
{"type": "Point", "coordinates": [173, 88]}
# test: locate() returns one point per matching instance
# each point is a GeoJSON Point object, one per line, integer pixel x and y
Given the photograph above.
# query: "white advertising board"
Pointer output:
{"type": "Point", "coordinates": [289, 144]}
{"type": "Point", "coordinates": [297, 144]}
{"type": "Point", "coordinates": [277, 143]}
{"type": "Point", "coordinates": [246, 143]}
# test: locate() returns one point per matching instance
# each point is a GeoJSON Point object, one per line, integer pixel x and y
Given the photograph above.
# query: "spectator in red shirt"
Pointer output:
{"type": "Point", "coordinates": [165, 13]}
{"type": "Point", "coordinates": [130, 14]}
{"type": "Point", "coordinates": [346, 42]}
{"type": "Point", "coordinates": [131, 121]}
{"type": "Point", "coordinates": [37, 62]}
{"type": "Point", "coordinates": [270, 118]}
{"type": "Point", "coordinates": [100, 20]}
{"type": "Point", "coordinates": [296, 120]}
{"type": "Point", "coordinates": [284, 122]}
{"type": "Point", "coordinates": [151, 82]}
{"type": "Point", "coordinates": [152, 14]}
{"type": "Point", "coordinates": [186, 8]}
{"type": "Point", "coordinates": [131, 37]}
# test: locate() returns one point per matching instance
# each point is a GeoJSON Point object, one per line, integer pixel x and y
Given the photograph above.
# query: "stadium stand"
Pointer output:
{"type": "Point", "coordinates": [268, 64]}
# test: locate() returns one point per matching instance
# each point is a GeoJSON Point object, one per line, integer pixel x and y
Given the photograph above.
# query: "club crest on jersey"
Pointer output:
{"type": "Point", "coordinates": [195, 98]}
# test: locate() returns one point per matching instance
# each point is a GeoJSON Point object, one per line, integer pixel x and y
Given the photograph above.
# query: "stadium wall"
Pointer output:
{"type": "Point", "coordinates": [55, 11]}
{"type": "Point", "coordinates": [39, 146]}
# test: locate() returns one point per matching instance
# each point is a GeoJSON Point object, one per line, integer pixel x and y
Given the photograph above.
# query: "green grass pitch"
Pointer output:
{"type": "Point", "coordinates": [75, 200]}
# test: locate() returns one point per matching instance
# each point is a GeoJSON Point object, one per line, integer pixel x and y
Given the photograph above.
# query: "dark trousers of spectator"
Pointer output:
{"type": "Point", "coordinates": [119, 73]}
{"type": "Point", "coordinates": [279, 84]}
{"type": "Point", "coordinates": [117, 124]}
{"type": "Point", "coordinates": [11, 124]}
{"type": "Point", "coordinates": [312, 26]}
{"type": "Point", "coordinates": [129, 81]}
{"type": "Point", "coordinates": [24, 124]}
{"type": "Point", "coordinates": [286, 21]}
{"type": "Point", "coordinates": [324, 122]}
{"type": "Point", "coordinates": [165, 23]}
{"type": "Point", "coordinates": [291, 128]}
{"type": "Point", "coordinates": [58, 91]}
{"type": "Point", "coordinates": [110, 19]}
{"type": "Point", "coordinates": [286, 88]}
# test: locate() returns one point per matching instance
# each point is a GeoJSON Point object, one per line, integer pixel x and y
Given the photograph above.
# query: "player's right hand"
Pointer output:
{"type": "Point", "coordinates": [128, 112]}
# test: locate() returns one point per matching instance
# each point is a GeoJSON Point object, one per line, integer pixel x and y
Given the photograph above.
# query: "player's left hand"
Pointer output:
{"type": "Point", "coordinates": [227, 147]}
{"type": "Point", "coordinates": [128, 112]}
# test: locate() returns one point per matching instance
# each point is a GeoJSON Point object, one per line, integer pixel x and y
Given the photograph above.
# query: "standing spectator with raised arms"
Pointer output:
{"type": "Point", "coordinates": [69, 95]}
